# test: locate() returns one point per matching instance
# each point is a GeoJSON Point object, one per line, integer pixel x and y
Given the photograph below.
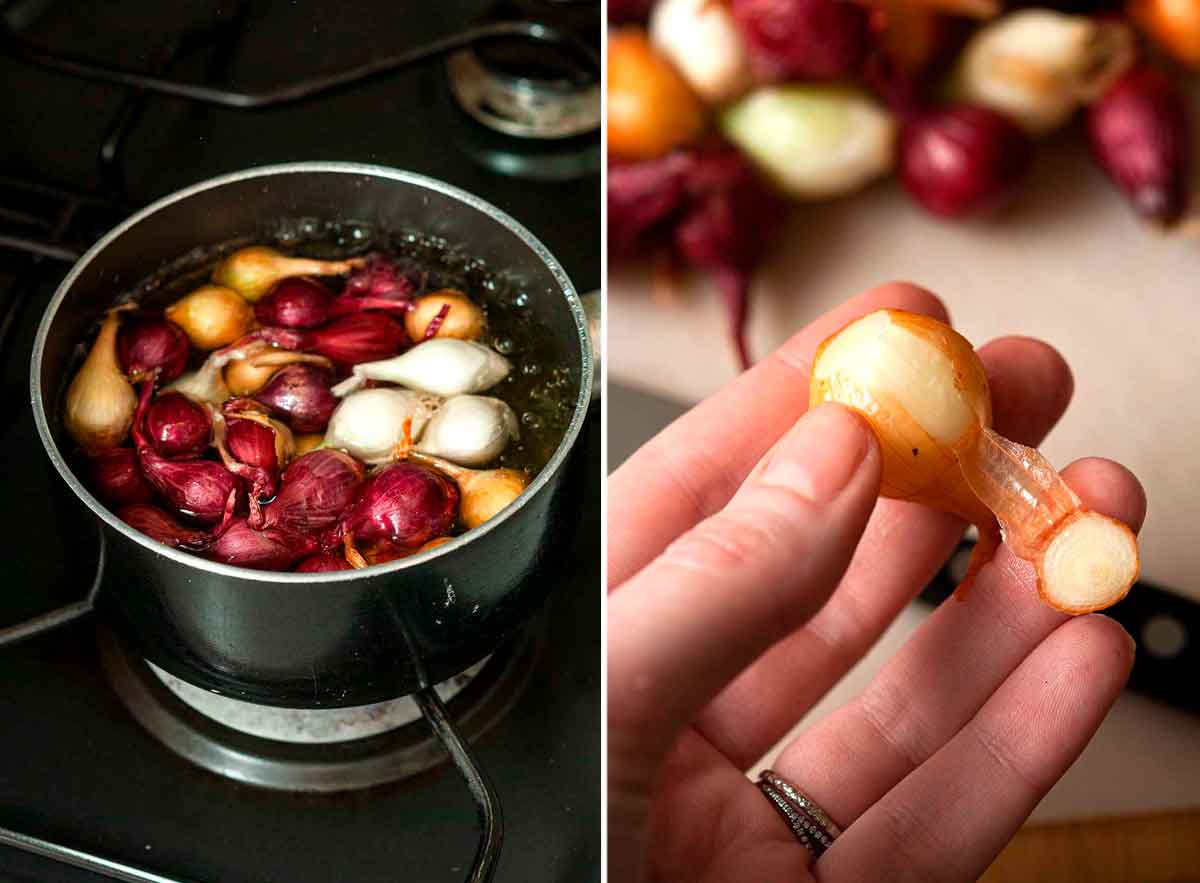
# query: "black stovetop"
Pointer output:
{"type": "Point", "coordinates": [74, 766]}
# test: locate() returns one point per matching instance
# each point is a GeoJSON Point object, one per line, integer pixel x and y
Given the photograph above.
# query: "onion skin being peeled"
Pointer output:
{"type": "Point", "coordinates": [923, 390]}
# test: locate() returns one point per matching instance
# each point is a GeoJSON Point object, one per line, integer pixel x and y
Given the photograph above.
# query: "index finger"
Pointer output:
{"type": "Point", "coordinates": [692, 468]}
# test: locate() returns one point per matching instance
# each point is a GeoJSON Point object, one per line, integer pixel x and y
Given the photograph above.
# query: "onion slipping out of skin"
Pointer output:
{"type": "Point", "coordinates": [924, 392]}
{"type": "Point", "coordinates": [252, 271]}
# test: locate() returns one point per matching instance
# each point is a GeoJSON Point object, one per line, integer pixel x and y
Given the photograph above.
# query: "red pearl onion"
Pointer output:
{"type": "Point", "coordinates": [1141, 136]}
{"type": "Point", "coordinates": [315, 491]}
{"type": "Point", "coordinates": [323, 562]}
{"type": "Point", "coordinates": [116, 478]}
{"type": "Point", "coordinates": [962, 159]}
{"type": "Point", "coordinates": [146, 344]}
{"type": "Point", "coordinates": [295, 302]}
{"type": "Point", "coordinates": [300, 396]}
{"type": "Point", "coordinates": [178, 426]}
{"type": "Point", "coordinates": [159, 525]}
{"type": "Point", "coordinates": [403, 503]}
{"type": "Point", "coordinates": [267, 549]}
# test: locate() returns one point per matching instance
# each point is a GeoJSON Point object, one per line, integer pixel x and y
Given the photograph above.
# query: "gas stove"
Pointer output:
{"type": "Point", "coordinates": [145, 777]}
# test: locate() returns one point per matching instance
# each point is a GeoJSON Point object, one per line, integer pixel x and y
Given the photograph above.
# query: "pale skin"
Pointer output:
{"type": "Point", "coordinates": [751, 565]}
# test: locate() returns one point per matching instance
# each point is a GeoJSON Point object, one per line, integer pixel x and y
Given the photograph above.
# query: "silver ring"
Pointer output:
{"type": "Point", "coordinates": [810, 824]}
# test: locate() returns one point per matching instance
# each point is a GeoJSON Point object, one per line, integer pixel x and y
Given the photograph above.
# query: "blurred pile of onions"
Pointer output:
{"type": "Point", "coordinates": [722, 110]}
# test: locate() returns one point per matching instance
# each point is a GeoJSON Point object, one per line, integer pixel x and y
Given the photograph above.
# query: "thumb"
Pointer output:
{"type": "Point", "coordinates": [725, 591]}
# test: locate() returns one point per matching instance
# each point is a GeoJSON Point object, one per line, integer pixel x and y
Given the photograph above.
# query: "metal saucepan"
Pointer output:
{"type": "Point", "coordinates": [334, 639]}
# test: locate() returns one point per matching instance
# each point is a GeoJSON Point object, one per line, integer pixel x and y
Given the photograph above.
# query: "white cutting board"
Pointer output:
{"type": "Point", "coordinates": [1070, 264]}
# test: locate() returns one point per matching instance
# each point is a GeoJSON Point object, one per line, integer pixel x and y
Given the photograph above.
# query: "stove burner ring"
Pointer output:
{"type": "Point", "coordinates": [524, 107]}
{"type": "Point", "coordinates": [316, 767]}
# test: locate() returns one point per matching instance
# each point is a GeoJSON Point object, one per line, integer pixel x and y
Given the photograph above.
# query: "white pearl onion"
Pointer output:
{"type": "Point", "coordinates": [469, 430]}
{"type": "Point", "coordinates": [370, 423]}
{"type": "Point", "coordinates": [442, 366]}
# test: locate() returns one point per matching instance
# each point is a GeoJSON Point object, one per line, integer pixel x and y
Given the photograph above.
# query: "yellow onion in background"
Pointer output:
{"type": "Point", "coordinates": [924, 392]}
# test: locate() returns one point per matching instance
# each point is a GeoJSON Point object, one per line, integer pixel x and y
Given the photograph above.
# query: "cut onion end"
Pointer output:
{"type": "Point", "coordinates": [1089, 564]}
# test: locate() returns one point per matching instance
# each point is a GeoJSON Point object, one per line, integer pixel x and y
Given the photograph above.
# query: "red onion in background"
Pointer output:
{"type": "Point", "coordinates": [323, 562]}
{"type": "Point", "coordinates": [381, 276]}
{"type": "Point", "coordinates": [147, 343]}
{"type": "Point", "coordinates": [200, 489]}
{"type": "Point", "coordinates": [404, 504]}
{"type": "Point", "coordinates": [178, 426]}
{"type": "Point", "coordinates": [803, 39]}
{"type": "Point", "coordinates": [1141, 136]}
{"type": "Point", "coordinates": [315, 491]}
{"type": "Point", "coordinates": [295, 302]}
{"type": "Point", "coordinates": [724, 228]}
{"type": "Point", "coordinates": [159, 525]}
{"type": "Point", "coordinates": [300, 396]}
{"type": "Point", "coordinates": [267, 549]}
{"type": "Point", "coordinates": [962, 159]}
{"type": "Point", "coordinates": [116, 478]}
{"type": "Point", "coordinates": [641, 197]}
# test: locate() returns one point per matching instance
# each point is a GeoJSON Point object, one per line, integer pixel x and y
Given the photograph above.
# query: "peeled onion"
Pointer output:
{"type": "Point", "coordinates": [370, 423]}
{"type": "Point", "coordinates": [441, 366]}
{"type": "Point", "coordinates": [469, 430]}
{"type": "Point", "coordinates": [924, 392]}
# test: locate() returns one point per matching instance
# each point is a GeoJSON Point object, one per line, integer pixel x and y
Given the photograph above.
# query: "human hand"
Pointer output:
{"type": "Point", "coordinates": [750, 567]}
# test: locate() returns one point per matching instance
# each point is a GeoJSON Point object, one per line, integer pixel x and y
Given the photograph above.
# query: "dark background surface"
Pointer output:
{"type": "Point", "coordinates": [74, 767]}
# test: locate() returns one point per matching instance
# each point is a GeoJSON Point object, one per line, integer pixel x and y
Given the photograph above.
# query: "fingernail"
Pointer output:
{"type": "Point", "coordinates": [820, 454]}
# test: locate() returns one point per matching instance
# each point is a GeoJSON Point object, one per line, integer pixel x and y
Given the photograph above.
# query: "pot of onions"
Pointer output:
{"type": "Point", "coordinates": [227, 381]}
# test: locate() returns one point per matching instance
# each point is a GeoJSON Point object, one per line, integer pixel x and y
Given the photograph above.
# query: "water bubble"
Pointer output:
{"type": "Point", "coordinates": [531, 420]}
{"type": "Point", "coordinates": [531, 369]}
{"type": "Point", "coordinates": [310, 227]}
{"type": "Point", "coordinates": [520, 300]}
{"type": "Point", "coordinates": [504, 345]}
{"type": "Point", "coordinates": [489, 284]}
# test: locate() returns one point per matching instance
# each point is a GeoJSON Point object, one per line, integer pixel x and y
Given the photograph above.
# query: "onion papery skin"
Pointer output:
{"type": "Point", "coordinates": [315, 492]}
{"type": "Point", "coordinates": [403, 503]}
